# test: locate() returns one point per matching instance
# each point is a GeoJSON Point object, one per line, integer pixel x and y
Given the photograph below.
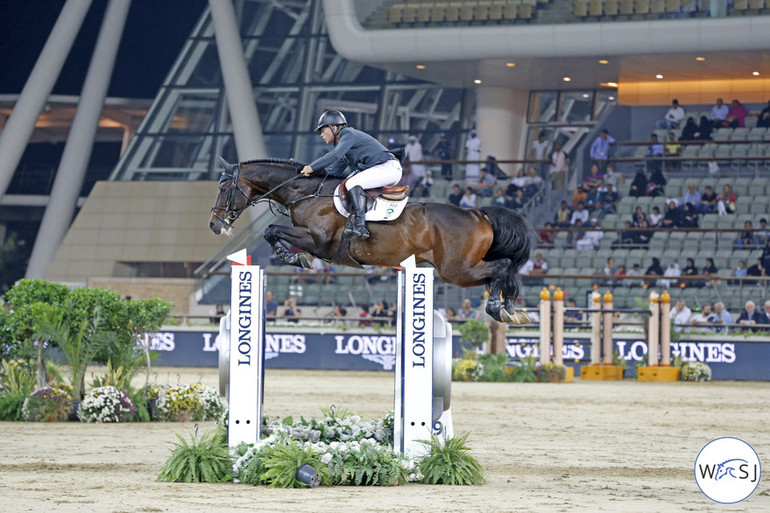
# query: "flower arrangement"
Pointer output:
{"type": "Point", "coordinates": [180, 403]}
{"type": "Point", "coordinates": [551, 372]}
{"type": "Point", "coordinates": [47, 405]}
{"type": "Point", "coordinates": [106, 404]}
{"type": "Point", "coordinates": [695, 371]}
{"type": "Point", "coordinates": [468, 367]}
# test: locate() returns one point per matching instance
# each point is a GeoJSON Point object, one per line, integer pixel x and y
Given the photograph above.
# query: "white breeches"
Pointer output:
{"type": "Point", "coordinates": [386, 174]}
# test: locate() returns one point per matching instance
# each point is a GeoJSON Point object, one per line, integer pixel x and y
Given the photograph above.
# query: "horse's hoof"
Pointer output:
{"type": "Point", "coordinates": [304, 261]}
{"type": "Point", "coordinates": [517, 317]}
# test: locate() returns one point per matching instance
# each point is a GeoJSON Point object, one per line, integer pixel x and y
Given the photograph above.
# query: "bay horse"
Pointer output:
{"type": "Point", "coordinates": [467, 247]}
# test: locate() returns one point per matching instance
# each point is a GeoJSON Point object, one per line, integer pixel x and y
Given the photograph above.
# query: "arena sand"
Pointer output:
{"type": "Point", "coordinates": [582, 447]}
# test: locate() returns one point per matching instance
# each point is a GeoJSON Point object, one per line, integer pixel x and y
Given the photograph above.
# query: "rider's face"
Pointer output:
{"type": "Point", "coordinates": [327, 135]}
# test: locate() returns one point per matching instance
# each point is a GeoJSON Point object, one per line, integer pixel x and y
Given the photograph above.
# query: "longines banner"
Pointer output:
{"type": "Point", "coordinates": [729, 357]}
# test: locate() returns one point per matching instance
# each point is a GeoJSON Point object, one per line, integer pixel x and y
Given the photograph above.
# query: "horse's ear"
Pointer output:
{"type": "Point", "coordinates": [226, 165]}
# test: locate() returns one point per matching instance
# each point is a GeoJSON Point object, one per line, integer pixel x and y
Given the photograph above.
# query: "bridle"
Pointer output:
{"type": "Point", "coordinates": [233, 174]}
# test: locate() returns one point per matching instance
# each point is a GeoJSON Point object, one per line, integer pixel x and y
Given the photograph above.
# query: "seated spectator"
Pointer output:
{"type": "Point", "coordinates": [689, 217]}
{"type": "Point", "coordinates": [290, 309]}
{"type": "Point", "coordinates": [466, 310]}
{"type": "Point", "coordinates": [673, 117]}
{"type": "Point", "coordinates": [485, 185]}
{"type": "Point", "coordinates": [736, 115]}
{"type": "Point", "coordinates": [608, 200]}
{"type": "Point", "coordinates": [739, 271]}
{"type": "Point", "coordinates": [613, 178]}
{"type": "Point", "coordinates": [379, 314]}
{"type": "Point", "coordinates": [655, 217]}
{"type": "Point", "coordinates": [654, 150]}
{"type": "Point", "coordinates": [518, 201]}
{"type": "Point", "coordinates": [451, 314]}
{"type": "Point", "coordinates": [456, 195]}
{"type": "Point", "coordinates": [271, 306]}
{"type": "Point", "coordinates": [518, 182]}
{"type": "Point", "coordinates": [608, 269]}
{"type": "Point", "coordinates": [579, 196]}
{"type": "Point", "coordinates": [766, 255]}
{"type": "Point", "coordinates": [747, 238]}
{"type": "Point", "coordinates": [469, 199]}
{"type": "Point", "coordinates": [709, 270]}
{"type": "Point", "coordinates": [719, 113]}
{"type": "Point", "coordinates": [539, 269]}
{"type": "Point", "coordinates": [751, 316]}
{"type": "Point", "coordinates": [673, 217]}
{"type": "Point", "coordinates": [726, 201]}
{"type": "Point", "coordinates": [338, 315]}
{"type": "Point", "coordinates": [573, 236]}
{"type": "Point", "coordinates": [639, 185]}
{"type": "Point", "coordinates": [423, 185]}
{"type": "Point", "coordinates": [755, 271]}
{"type": "Point", "coordinates": [592, 236]}
{"type": "Point", "coordinates": [708, 201]}
{"type": "Point", "coordinates": [626, 236]}
{"type": "Point", "coordinates": [592, 198]}
{"type": "Point", "coordinates": [534, 181]}
{"type": "Point", "coordinates": [704, 129]}
{"type": "Point", "coordinates": [767, 309]}
{"type": "Point", "coordinates": [703, 318]}
{"type": "Point", "coordinates": [364, 316]}
{"type": "Point", "coordinates": [594, 176]}
{"type": "Point", "coordinates": [493, 169]}
{"type": "Point", "coordinates": [722, 317]}
{"type": "Point", "coordinates": [656, 186]}
{"type": "Point", "coordinates": [546, 236]}
{"type": "Point", "coordinates": [672, 149]}
{"type": "Point", "coordinates": [498, 198]}
{"type": "Point", "coordinates": [636, 270]}
{"type": "Point", "coordinates": [762, 233]}
{"type": "Point", "coordinates": [563, 215]}
{"type": "Point", "coordinates": [690, 270]}
{"type": "Point", "coordinates": [638, 216]}
{"type": "Point", "coordinates": [653, 270]}
{"type": "Point", "coordinates": [620, 273]}
{"type": "Point", "coordinates": [571, 315]}
{"type": "Point", "coordinates": [581, 213]}
{"type": "Point", "coordinates": [377, 274]}
{"type": "Point", "coordinates": [691, 195]}
{"type": "Point", "coordinates": [643, 235]}
{"type": "Point", "coordinates": [764, 117]}
{"type": "Point", "coordinates": [672, 271]}
{"type": "Point", "coordinates": [689, 130]}
{"type": "Point", "coordinates": [680, 315]}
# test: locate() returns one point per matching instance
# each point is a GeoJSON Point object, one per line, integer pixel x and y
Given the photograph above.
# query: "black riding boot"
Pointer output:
{"type": "Point", "coordinates": [358, 208]}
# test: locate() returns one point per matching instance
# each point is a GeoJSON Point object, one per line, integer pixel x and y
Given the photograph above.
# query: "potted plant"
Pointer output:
{"type": "Point", "coordinates": [47, 405]}
{"type": "Point", "coordinates": [474, 332]}
{"type": "Point", "coordinates": [552, 373]}
{"type": "Point", "coordinates": [695, 371]}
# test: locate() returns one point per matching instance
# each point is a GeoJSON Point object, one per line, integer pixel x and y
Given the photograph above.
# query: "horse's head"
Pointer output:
{"type": "Point", "coordinates": [233, 198]}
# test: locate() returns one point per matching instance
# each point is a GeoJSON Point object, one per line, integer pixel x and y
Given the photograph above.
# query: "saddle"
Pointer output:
{"type": "Point", "coordinates": [388, 193]}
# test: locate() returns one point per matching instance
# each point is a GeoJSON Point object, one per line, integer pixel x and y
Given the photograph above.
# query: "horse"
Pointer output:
{"type": "Point", "coordinates": [467, 247]}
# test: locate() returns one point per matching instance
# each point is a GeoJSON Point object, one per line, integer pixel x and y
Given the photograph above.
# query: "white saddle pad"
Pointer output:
{"type": "Point", "coordinates": [381, 210]}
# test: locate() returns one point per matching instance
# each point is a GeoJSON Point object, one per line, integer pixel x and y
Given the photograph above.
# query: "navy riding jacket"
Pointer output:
{"type": "Point", "coordinates": [355, 149]}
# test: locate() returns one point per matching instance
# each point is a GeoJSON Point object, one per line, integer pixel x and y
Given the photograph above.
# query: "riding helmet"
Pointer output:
{"type": "Point", "coordinates": [331, 117]}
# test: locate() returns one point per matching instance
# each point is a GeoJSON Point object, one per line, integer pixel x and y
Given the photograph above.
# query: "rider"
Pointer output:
{"type": "Point", "coordinates": [374, 166]}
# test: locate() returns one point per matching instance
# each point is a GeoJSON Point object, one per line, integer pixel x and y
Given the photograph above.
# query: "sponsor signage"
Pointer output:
{"type": "Point", "coordinates": [729, 358]}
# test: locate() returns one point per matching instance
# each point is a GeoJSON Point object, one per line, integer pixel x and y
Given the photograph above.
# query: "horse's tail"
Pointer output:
{"type": "Point", "coordinates": [512, 240]}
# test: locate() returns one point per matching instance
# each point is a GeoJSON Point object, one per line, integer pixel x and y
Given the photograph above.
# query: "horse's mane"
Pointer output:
{"type": "Point", "coordinates": [287, 162]}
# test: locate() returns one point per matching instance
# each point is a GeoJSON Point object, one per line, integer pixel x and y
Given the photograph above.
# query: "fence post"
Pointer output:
{"type": "Point", "coordinates": [545, 326]}
{"type": "Point", "coordinates": [558, 326]}
{"type": "Point", "coordinates": [607, 328]}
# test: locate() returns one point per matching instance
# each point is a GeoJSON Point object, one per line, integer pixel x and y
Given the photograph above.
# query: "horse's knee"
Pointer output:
{"type": "Point", "coordinates": [271, 233]}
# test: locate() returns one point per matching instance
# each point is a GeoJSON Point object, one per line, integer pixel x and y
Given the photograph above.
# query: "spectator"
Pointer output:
{"type": "Point", "coordinates": [413, 154]}
{"type": "Point", "coordinates": [689, 217]}
{"type": "Point", "coordinates": [620, 274]}
{"type": "Point", "coordinates": [736, 115]}
{"type": "Point", "coordinates": [546, 236]}
{"type": "Point", "coordinates": [708, 201]}
{"type": "Point", "coordinates": [766, 255]}
{"type": "Point", "coordinates": [539, 151]}
{"type": "Point", "coordinates": [559, 167]}
{"type": "Point", "coordinates": [379, 314]}
{"type": "Point", "coordinates": [672, 271]}
{"type": "Point", "coordinates": [739, 271]}
{"type": "Point", "coordinates": [591, 237]}
{"type": "Point", "coordinates": [594, 178]}
{"type": "Point", "coordinates": [493, 169]}
{"type": "Point", "coordinates": [704, 129]}
{"type": "Point", "coordinates": [469, 199]}
{"type": "Point", "coordinates": [636, 270]}
{"type": "Point", "coordinates": [444, 152]}
{"type": "Point", "coordinates": [580, 195]}
{"type": "Point", "coordinates": [533, 183]}
{"type": "Point", "coordinates": [755, 271]}
{"type": "Point", "coordinates": [498, 198]}
{"type": "Point", "coordinates": [726, 201]}
{"type": "Point", "coordinates": [673, 117]}
{"type": "Point", "coordinates": [290, 309]}
{"type": "Point", "coordinates": [673, 217]}
{"type": "Point", "coordinates": [672, 149]}
{"type": "Point", "coordinates": [456, 195]}
{"type": "Point", "coordinates": [764, 117]}
{"type": "Point", "coordinates": [680, 315]}
{"type": "Point", "coordinates": [767, 309]}
{"type": "Point", "coordinates": [710, 270]}
{"type": "Point", "coordinates": [719, 113]}
{"type": "Point", "coordinates": [655, 217]}
{"type": "Point", "coordinates": [691, 195]}
{"type": "Point", "coordinates": [638, 216]}
{"type": "Point", "coordinates": [472, 152]}
{"type": "Point", "coordinates": [338, 315]}
{"type": "Point", "coordinates": [592, 198]}
{"type": "Point", "coordinates": [518, 201]}
{"type": "Point", "coordinates": [451, 315]}
{"type": "Point", "coordinates": [653, 270]}
{"type": "Point", "coordinates": [644, 234]}
{"type": "Point", "coordinates": [608, 269]}
{"type": "Point", "coordinates": [721, 316]}
{"type": "Point", "coordinates": [654, 150]}
{"type": "Point", "coordinates": [539, 269]}
{"type": "Point", "coordinates": [423, 185]}
{"type": "Point", "coordinates": [600, 149]}
{"type": "Point", "coordinates": [608, 200]}
{"type": "Point", "coordinates": [747, 238]}
{"type": "Point", "coordinates": [573, 236]}
{"type": "Point", "coordinates": [216, 315]}
{"type": "Point", "coordinates": [571, 315]}
{"type": "Point", "coordinates": [703, 318]}
{"type": "Point", "coordinates": [751, 316]}
{"type": "Point", "coordinates": [690, 130]}
{"type": "Point", "coordinates": [613, 178]}
{"type": "Point", "coordinates": [486, 184]}
{"type": "Point", "coordinates": [271, 306]}
{"type": "Point", "coordinates": [581, 213]}
{"type": "Point", "coordinates": [466, 310]}
{"type": "Point", "coordinates": [562, 217]}
{"type": "Point", "coordinates": [364, 316]}
{"type": "Point", "coordinates": [639, 185]}
{"type": "Point", "coordinates": [625, 237]}
{"type": "Point", "coordinates": [656, 186]}
{"type": "Point", "coordinates": [690, 270]}
{"type": "Point", "coordinates": [763, 234]}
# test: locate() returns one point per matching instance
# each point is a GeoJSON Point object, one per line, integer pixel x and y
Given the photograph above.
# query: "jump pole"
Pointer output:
{"type": "Point", "coordinates": [601, 369]}
{"type": "Point", "coordinates": [660, 332]}
{"type": "Point", "coordinates": [545, 326]}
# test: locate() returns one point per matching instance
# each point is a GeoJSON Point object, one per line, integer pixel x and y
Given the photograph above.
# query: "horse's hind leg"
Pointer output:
{"type": "Point", "coordinates": [275, 236]}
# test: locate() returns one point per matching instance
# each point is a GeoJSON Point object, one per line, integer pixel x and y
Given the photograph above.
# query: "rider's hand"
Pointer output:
{"type": "Point", "coordinates": [306, 171]}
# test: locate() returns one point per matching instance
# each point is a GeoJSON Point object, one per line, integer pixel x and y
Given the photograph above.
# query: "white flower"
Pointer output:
{"type": "Point", "coordinates": [326, 458]}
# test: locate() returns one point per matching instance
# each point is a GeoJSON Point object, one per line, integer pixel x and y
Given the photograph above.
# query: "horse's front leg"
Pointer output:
{"type": "Point", "coordinates": [280, 237]}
